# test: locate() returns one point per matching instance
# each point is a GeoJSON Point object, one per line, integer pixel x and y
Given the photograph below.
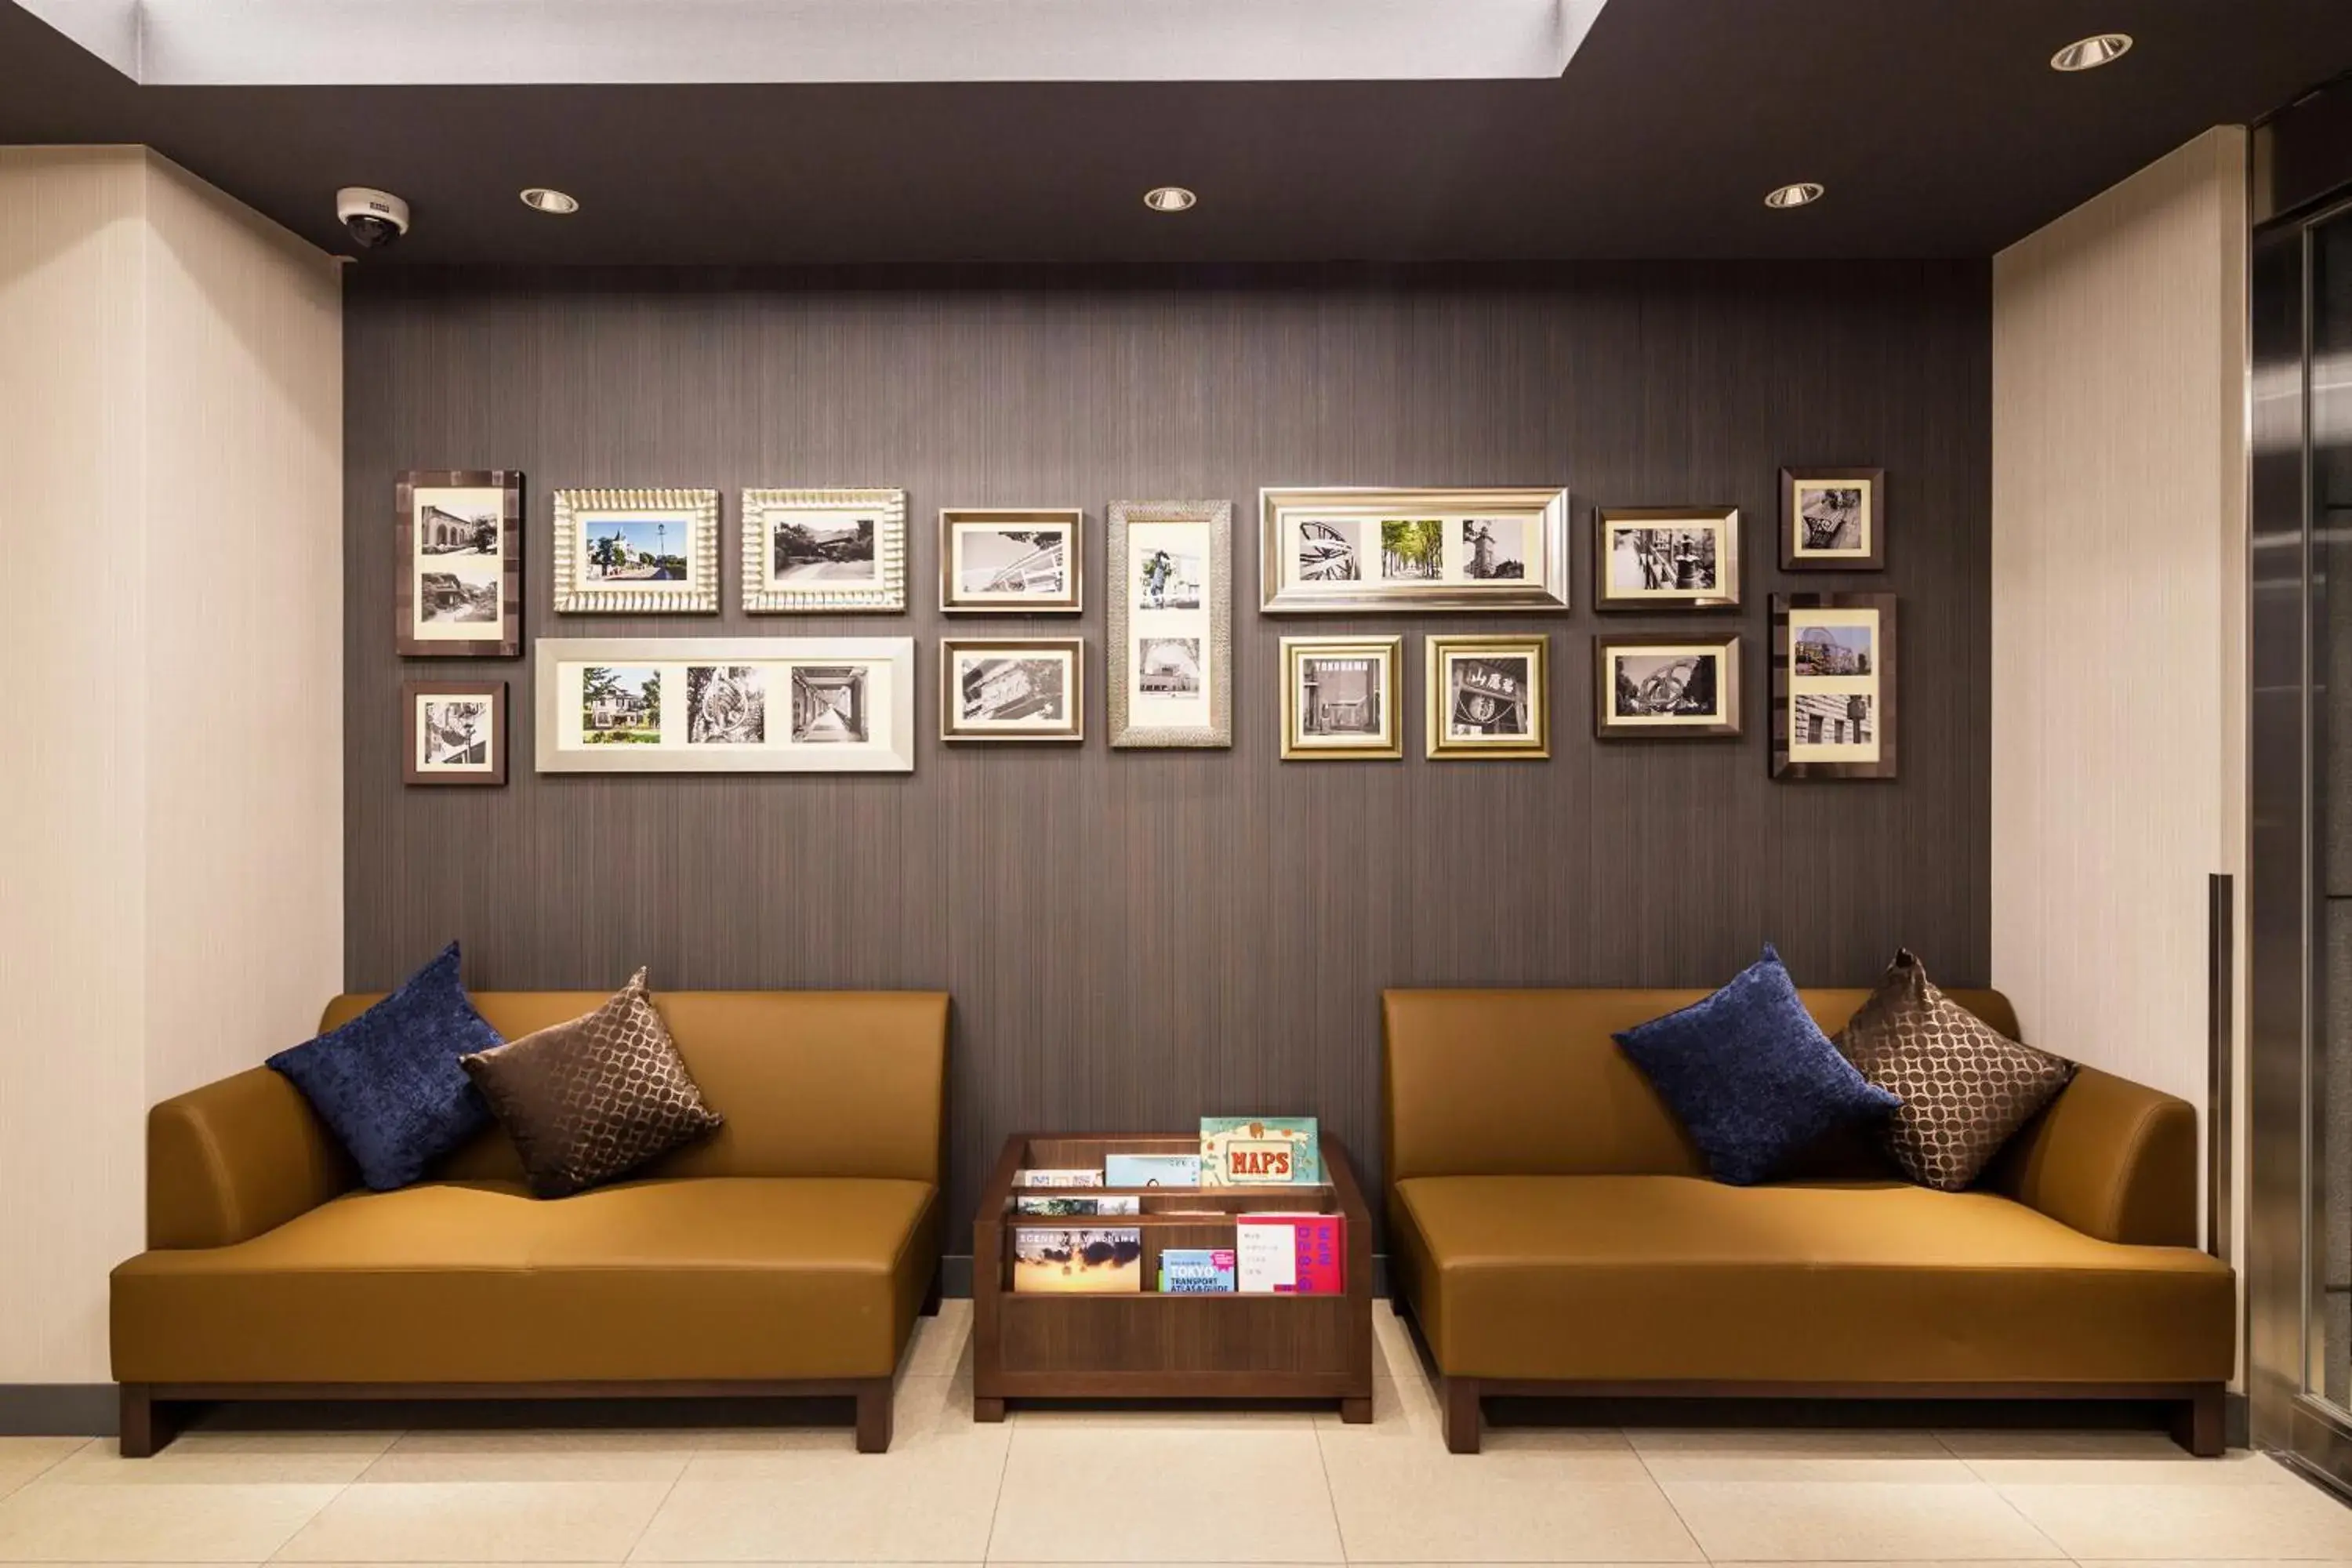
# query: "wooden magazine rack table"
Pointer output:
{"type": "Point", "coordinates": [1151, 1344]}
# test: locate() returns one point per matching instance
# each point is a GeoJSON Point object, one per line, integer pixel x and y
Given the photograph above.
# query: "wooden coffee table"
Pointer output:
{"type": "Point", "coordinates": [1150, 1345]}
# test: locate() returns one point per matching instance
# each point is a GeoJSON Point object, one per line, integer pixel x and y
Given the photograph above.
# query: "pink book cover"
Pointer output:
{"type": "Point", "coordinates": [1320, 1243]}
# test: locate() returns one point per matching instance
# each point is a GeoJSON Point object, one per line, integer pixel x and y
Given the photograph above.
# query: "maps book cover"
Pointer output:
{"type": "Point", "coordinates": [1260, 1151]}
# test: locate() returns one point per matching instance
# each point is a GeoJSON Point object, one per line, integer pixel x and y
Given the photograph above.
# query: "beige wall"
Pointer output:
{"type": "Point", "coordinates": [2118, 573]}
{"type": "Point", "coordinates": [171, 391]}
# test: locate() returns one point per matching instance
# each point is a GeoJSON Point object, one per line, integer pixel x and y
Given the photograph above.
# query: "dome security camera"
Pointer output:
{"type": "Point", "coordinates": [375, 218]}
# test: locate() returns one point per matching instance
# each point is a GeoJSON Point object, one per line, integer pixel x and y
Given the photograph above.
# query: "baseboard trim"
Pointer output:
{"type": "Point", "coordinates": [59, 1410]}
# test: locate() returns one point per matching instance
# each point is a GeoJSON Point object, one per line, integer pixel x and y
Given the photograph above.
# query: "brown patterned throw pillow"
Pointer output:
{"type": "Point", "coordinates": [594, 1098]}
{"type": "Point", "coordinates": [1965, 1088]}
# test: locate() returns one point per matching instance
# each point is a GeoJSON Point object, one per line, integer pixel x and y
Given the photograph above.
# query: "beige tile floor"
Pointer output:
{"type": "Point", "coordinates": [1150, 1487]}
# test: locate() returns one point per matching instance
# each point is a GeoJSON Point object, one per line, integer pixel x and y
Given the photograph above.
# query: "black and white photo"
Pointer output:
{"type": "Point", "coordinates": [457, 733]}
{"type": "Point", "coordinates": [1168, 666]}
{"type": "Point", "coordinates": [1665, 687]}
{"type": "Point", "coordinates": [1488, 696]}
{"type": "Point", "coordinates": [1328, 549]}
{"type": "Point", "coordinates": [1655, 558]}
{"type": "Point", "coordinates": [1833, 719]}
{"type": "Point", "coordinates": [461, 583]}
{"type": "Point", "coordinates": [807, 551]}
{"type": "Point", "coordinates": [1493, 549]}
{"type": "Point", "coordinates": [726, 705]}
{"type": "Point", "coordinates": [829, 705]}
{"type": "Point", "coordinates": [1007, 689]}
{"type": "Point", "coordinates": [1170, 580]}
{"type": "Point", "coordinates": [1832, 520]}
{"type": "Point", "coordinates": [1007, 559]}
{"type": "Point", "coordinates": [1339, 698]}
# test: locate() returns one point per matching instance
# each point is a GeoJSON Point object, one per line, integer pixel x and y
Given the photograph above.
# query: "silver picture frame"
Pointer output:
{"type": "Point", "coordinates": [711, 705]}
{"type": "Point", "coordinates": [585, 584]}
{"type": "Point", "coordinates": [1172, 603]}
{"type": "Point", "coordinates": [818, 586]}
{"type": "Point", "coordinates": [1370, 551]}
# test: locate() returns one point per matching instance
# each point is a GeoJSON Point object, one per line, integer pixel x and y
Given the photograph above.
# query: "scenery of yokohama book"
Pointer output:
{"type": "Point", "coordinates": [1068, 1261]}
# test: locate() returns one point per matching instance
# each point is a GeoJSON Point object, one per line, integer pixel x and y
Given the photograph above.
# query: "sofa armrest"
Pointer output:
{"type": "Point", "coordinates": [233, 1159]}
{"type": "Point", "coordinates": [2111, 1158]}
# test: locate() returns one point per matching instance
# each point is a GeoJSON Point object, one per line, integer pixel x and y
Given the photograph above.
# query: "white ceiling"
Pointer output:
{"type": "Point", "coordinates": [409, 42]}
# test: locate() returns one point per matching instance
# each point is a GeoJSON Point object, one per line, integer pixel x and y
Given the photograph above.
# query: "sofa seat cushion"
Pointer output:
{"type": "Point", "coordinates": [1678, 1278]}
{"type": "Point", "coordinates": [718, 1278]}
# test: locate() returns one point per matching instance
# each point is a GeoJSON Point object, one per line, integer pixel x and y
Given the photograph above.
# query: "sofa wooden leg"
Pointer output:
{"type": "Point", "coordinates": [874, 1415]}
{"type": "Point", "coordinates": [1461, 1398]}
{"type": "Point", "coordinates": [2199, 1424]}
{"type": "Point", "coordinates": [146, 1423]}
{"type": "Point", "coordinates": [931, 1297]}
{"type": "Point", "coordinates": [1356, 1412]}
{"type": "Point", "coordinates": [989, 1411]}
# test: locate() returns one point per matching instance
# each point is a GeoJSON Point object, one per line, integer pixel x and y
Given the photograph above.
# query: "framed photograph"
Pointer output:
{"type": "Point", "coordinates": [636, 552]}
{"type": "Point", "coordinates": [1339, 698]}
{"type": "Point", "coordinates": [1171, 624]}
{"type": "Point", "coordinates": [456, 731]}
{"type": "Point", "coordinates": [1012, 561]}
{"type": "Point", "coordinates": [460, 593]}
{"type": "Point", "coordinates": [1666, 558]}
{"type": "Point", "coordinates": [1490, 697]}
{"type": "Point", "coordinates": [1013, 689]}
{"type": "Point", "coordinates": [1664, 685]}
{"type": "Point", "coordinates": [1334, 551]}
{"type": "Point", "coordinates": [1834, 686]}
{"type": "Point", "coordinates": [824, 550]}
{"type": "Point", "coordinates": [1832, 520]}
{"type": "Point", "coordinates": [740, 705]}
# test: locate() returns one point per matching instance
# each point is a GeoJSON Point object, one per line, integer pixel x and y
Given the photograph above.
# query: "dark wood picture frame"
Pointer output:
{"type": "Point", "coordinates": [1788, 687]}
{"type": "Point", "coordinates": [508, 643]}
{"type": "Point", "coordinates": [494, 692]}
{"type": "Point", "coordinates": [1871, 558]}
{"type": "Point", "coordinates": [1724, 595]}
{"type": "Point", "coordinates": [1725, 646]}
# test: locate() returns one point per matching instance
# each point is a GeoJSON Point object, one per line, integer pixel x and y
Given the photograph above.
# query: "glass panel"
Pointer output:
{"type": "Point", "coordinates": [2328, 1334]}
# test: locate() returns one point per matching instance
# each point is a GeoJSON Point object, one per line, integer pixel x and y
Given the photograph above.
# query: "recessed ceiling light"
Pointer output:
{"type": "Point", "coordinates": [1168, 199]}
{"type": "Point", "coordinates": [2089, 54]}
{"type": "Point", "coordinates": [541, 199]}
{"type": "Point", "coordinates": [1803, 194]}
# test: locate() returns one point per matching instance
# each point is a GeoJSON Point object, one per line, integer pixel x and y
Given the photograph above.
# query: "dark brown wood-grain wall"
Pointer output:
{"type": "Point", "coordinates": [1135, 938]}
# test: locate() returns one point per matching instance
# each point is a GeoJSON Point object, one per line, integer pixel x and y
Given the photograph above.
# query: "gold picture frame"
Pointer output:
{"type": "Point", "coordinates": [1666, 558]}
{"type": "Point", "coordinates": [1022, 575]}
{"type": "Point", "coordinates": [658, 555]}
{"type": "Point", "coordinates": [1489, 698]}
{"type": "Point", "coordinates": [1339, 551]}
{"type": "Point", "coordinates": [1017, 689]}
{"type": "Point", "coordinates": [1340, 699]}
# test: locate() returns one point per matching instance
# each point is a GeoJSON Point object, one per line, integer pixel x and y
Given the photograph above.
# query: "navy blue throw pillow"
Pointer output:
{"type": "Point", "coordinates": [388, 1082]}
{"type": "Point", "coordinates": [1751, 1075]}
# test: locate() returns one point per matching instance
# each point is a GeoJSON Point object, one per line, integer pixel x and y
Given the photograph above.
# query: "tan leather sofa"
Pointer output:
{"type": "Point", "coordinates": [1552, 1231]}
{"type": "Point", "coordinates": [787, 1254]}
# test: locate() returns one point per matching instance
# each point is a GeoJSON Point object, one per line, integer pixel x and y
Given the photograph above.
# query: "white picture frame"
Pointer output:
{"type": "Point", "coordinates": [823, 551]}
{"type": "Point", "coordinates": [752, 705]}
{"type": "Point", "coordinates": [636, 552]}
{"type": "Point", "coordinates": [1170, 663]}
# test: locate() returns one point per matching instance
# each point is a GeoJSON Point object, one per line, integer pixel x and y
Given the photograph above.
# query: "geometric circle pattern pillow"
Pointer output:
{"type": "Point", "coordinates": [595, 1098]}
{"type": "Point", "coordinates": [1966, 1087]}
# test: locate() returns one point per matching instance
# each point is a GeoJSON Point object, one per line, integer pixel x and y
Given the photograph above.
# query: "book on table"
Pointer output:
{"type": "Point", "coordinates": [1260, 1151]}
{"type": "Point", "coordinates": [1291, 1254]}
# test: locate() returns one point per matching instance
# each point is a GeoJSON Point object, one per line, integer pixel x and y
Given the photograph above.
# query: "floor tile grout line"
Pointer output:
{"type": "Point", "coordinates": [667, 1492]}
{"type": "Point", "coordinates": [312, 1517]}
{"type": "Point", "coordinates": [1666, 1497]}
{"type": "Point", "coordinates": [1003, 1469]}
{"type": "Point", "coordinates": [1331, 1494]}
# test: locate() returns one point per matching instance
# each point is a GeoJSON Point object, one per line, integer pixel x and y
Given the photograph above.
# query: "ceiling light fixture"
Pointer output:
{"type": "Point", "coordinates": [540, 198]}
{"type": "Point", "coordinates": [1169, 198]}
{"type": "Point", "coordinates": [1803, 194]}
{"type": "Point", "coordinates": [2091, 53]}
